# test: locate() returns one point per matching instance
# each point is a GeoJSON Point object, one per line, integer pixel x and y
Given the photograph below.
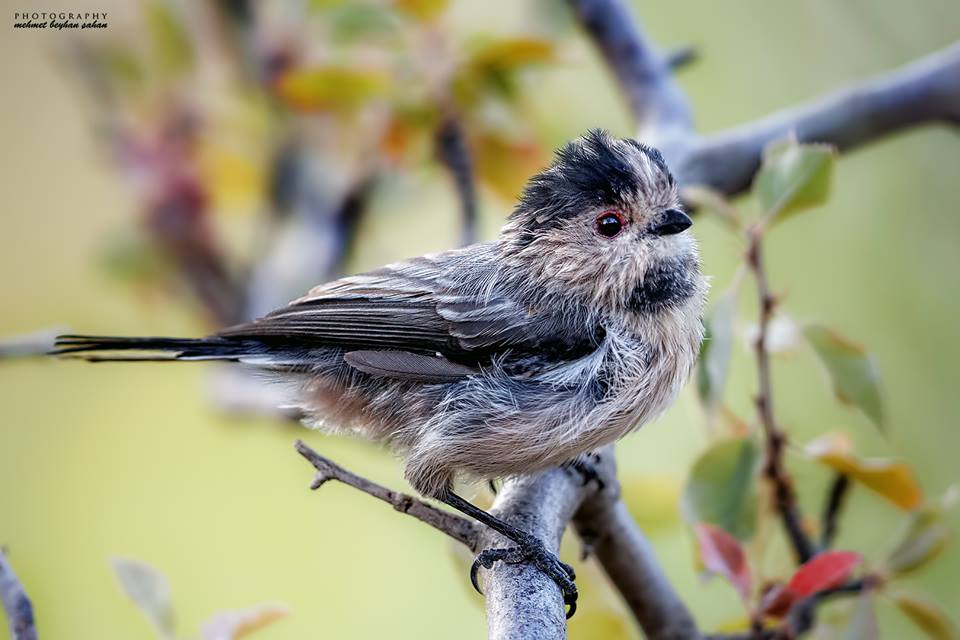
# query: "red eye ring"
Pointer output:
{"type": "Point", "coordinates": [609, 224]}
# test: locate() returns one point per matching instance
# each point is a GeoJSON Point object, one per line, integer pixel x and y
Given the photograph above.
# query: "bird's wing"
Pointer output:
{"type": "Point", "coordinates": [420, 320]}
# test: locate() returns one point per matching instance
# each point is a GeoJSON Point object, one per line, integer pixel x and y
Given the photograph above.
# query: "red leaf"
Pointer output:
{"type": "Point", "coordinates": [777, 602]}
{"type": "Point", "coordinates": [824, 571]}
{"type": "Point", "coordinates": [722, 554]}
{"type": "Point", "coordinates": [827, 570]}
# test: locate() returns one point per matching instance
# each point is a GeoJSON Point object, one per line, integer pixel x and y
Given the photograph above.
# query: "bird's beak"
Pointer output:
{"type": "Point", "coordinates": [672, 221]}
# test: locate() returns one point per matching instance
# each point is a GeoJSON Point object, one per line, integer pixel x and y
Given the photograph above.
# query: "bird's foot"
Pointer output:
{"type": "Point", "coordinates": [531, 550]}
{"type": "Point", "coordinates": [586, 464]}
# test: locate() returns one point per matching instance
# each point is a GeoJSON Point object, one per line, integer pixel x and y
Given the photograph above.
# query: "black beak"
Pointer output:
{"type": "Point", "coordinates": [672, 221]}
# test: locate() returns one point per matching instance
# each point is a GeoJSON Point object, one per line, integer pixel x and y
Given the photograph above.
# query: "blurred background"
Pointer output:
{"type": "Point", "coordinates": [279, 146]}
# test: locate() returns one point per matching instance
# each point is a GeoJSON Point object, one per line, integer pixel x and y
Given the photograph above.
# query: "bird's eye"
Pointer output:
{"type": "Point", "coordinates": [610, 224]}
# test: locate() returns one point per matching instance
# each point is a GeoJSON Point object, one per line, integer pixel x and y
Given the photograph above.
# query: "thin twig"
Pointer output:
{"type": "Point", "coordinates": [458, 528]}
{"type": "Point", "coordinates": [776, 439]}
{"type": "Point", "coordinates": [16, 604]}
{"type": "Point", "coordinates": [454, 154]}
{"type": "Point", "coordinates": [682, 57]}
{"type": "Point", "coordinates": [831, 512]}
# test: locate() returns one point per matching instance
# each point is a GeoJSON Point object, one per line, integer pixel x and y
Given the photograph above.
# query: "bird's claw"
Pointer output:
{"type": "Point", "coordinates": [531, 551]}
{"type": "Point", "coordinates": [587, 465]}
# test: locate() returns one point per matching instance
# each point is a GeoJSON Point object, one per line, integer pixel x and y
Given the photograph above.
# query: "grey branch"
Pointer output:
{"type": "Point", "coordinates": [522, 602]}
{"type": "Point", "coordinates": [457, 527]}
{"type": "Point", "coordinates": [16, 604]}
{"type": "Point", "coordinates": [631, 564]}
{"type": "Point", "coordinates": [644, 75]}
{"type": "Point", "coordinates": [924, 92]}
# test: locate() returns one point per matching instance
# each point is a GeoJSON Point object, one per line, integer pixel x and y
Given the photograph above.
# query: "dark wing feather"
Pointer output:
{"type": "Point", "coordinates": [412, 312]}
{"type": "Point", "coordinates": [403, 365]}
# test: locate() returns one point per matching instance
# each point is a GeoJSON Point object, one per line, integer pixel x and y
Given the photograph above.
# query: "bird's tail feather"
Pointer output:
{"type": "Point", "coordinates": [114, 349]}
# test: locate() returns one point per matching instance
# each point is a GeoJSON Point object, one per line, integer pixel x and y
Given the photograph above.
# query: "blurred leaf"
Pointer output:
{"type": "Point", "coordinates": [783, 334]}
{"type": "Point", "coordinates": [493, 67]}
{"type": "Point", "coordinates": [236, 180]}
{"type": "Point", "coordinates": [171, 41]}
{"type": "Point", "coordinates": [355, 21]}
{"type": "Point", "coordinates": [716, 348]}
{"type": "Point", "coordinates": [925, 537]}
{"type": "Point", "coordinates": [504, 164]}
{"type": "Point", "coordinates": [121, 65]}
{"type": "Point", "coordinates": [330, 87]}
{"type": "Point", "coordinates": [863, 624]}
{"type": "Point", "coordinates": [129, 256]}
{"type": "Point", "coordinates": [706, 199]}
{"type": "Point", "coordinates": [893, 480]}
{"type": "Point", "coordinates": [232, 625]}
{"type": "Point", "coordinates": [651, 500]}
{"type": "Point", "coordinates": [853, 371]}
{"type": "Point", "coordinates": [722, 555]}
{"type": "Point", "coordinates": [827, 570]}
{"type": "Point", "coordinates": [424, 10]}
{"type": "Point", "coordinates": [721, 489]}
{"type": "Point", "coordinates": [928, 616]}
{"type": "Point", "coordinates": [149, 590]}
{"type": "Point", "coordinates": [793, 177]}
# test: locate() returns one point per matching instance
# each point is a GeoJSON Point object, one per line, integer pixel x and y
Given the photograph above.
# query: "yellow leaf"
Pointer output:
{"type": "Point", "coordinates": [926, 615]}
{"type": "Point", "coordinates": [893, 480]}
{"type": "Point", "coordinates": [233, 625]}
{"type": "Point", "coordinates": [504, 164]}
{"type": "Point", "coordinates": [422, 9]}
{"type": "Point", "coordinates": [330, 87]}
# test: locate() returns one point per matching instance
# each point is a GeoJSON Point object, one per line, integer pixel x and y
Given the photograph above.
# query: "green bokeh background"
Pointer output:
{"type": "Point", "coordinates": [130, 460]}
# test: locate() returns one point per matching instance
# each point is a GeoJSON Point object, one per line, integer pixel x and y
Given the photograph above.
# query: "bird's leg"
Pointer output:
{"type": "Point", "coordinates": [585, 464]}
{"type": "Point", "coordinates": [528, 549]}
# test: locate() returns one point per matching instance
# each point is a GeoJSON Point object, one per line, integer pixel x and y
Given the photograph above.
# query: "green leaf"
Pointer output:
{"type": "Point", "coordinates": [149, 590]}
{"type": "Point", "coordinates": [716, 348]}
{"type": "Point", "coordinates": [171, 41]}
{"type": "Point", "coordinates": [793, 177]}
{"type": "Point", "coordinates": [722, 488]}
{"type": "Point", "coordinates": [927, 616]}
{"type": "Point", "coordinates": [926, 535]}
{"type": "Point", "coordinates": [853, 371]}
{"type": "Point", "coordinates": [357, 21]}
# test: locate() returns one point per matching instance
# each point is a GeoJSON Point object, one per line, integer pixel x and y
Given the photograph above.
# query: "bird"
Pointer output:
{"type": "Point", "coordinates": [579, 323]}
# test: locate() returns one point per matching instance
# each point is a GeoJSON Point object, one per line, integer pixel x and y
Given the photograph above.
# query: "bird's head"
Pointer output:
{"type": "Point", "coordinates": [604, 223]}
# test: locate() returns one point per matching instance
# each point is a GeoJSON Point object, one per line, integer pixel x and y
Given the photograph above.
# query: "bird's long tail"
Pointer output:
{"type": "Point", "coordinates": [114, 349]}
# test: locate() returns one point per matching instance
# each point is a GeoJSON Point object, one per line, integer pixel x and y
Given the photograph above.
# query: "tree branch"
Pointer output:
{"type": "Point", "coordinates": [627, 558]}
{"type": "Point", "coordinates": [522, 602]}
{"type": "Point", "coordinates": [644, 76]}
{"type": "Point", "coordinates": [923, 92]}
{"type": "Point", "coordinates": [457, 527]}
{"type": "Point", "coordinates": [839, 489]}
{"type": "Point", "coordinates": [776, 439]}
{"type": "Point", "coordinates": [16, 604]}
{"type": "Point", "coordinates": [454, 155]}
